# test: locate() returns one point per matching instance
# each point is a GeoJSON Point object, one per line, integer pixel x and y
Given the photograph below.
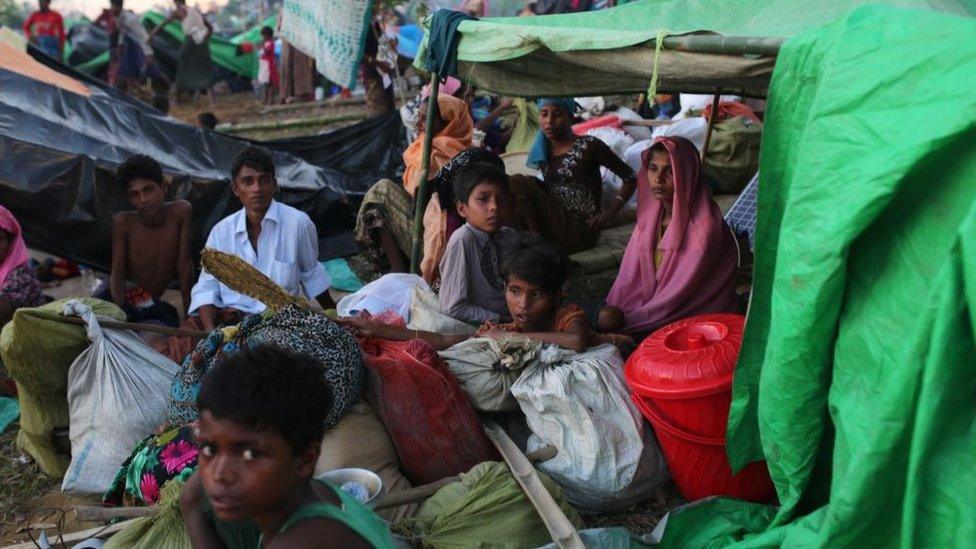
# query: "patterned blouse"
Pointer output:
{"type": "Point", "coordinates": [574, 178]}
{"type": "Point", "coordinates": [21, 288]}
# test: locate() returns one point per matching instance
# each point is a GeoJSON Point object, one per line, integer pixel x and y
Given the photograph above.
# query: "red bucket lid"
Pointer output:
{"type": "Point", "coordinates": [692, 357]}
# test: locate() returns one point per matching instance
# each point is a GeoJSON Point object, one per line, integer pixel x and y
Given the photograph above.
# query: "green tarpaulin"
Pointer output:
{"type": "Point", "coordinates": [611, 51]}
{"type": "Point", "coordinates": [223, 51]}
{"type": "Point", "coordinates": [857, 377]}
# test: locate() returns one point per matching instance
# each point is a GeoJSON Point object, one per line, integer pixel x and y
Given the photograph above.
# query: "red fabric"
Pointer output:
{"type": "Point", "coordinates": [268, 55]}
{"type": "Point", "coordinates": [430, 420]}
{"type": "Point", "coordinates": [731, 109]}
{"type": "Point", "coordinates": [697, 271]}
{"type": "Point", "coordinates": [45, 23]}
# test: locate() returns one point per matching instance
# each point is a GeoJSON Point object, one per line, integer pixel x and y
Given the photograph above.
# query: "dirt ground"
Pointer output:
{"type": "Point", "coordinates": [244, 108]}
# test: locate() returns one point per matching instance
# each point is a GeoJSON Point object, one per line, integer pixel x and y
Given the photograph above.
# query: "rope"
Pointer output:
{"type": "Point", "coordinates": [652, 87]}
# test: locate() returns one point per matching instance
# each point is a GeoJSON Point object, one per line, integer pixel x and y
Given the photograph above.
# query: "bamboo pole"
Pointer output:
{"type": "Point", "coordinates": [724, 45]}
{"type": "Point", "coordinates": [423, 188]}
{"type": "Point", "coordinates": [561, 530]}
{"type": "Point", "coordinates": [290, 124]}
{"type": "Point", "coordinates": [118, 325]}
{"type": "Point", "coordinates": [711, 122]}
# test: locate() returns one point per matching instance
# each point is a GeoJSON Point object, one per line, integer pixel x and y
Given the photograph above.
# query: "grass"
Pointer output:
{"type": "Point", "coordinates": [21, 484]}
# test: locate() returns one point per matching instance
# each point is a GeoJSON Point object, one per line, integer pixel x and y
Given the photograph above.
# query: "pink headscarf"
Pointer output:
{"type": "Point", "coordinates": [699, 258]}
{"type": "Point", "coordinates": [17, 254]}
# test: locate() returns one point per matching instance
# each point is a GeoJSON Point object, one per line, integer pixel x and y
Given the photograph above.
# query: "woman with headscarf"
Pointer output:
{"type": "Point", "coordinates": [384, 227]}
{"type": "Point", "coordinates": [18, 283]}
{"type": "Point", "coordinates": [682, 258]}
{"type": "Point", "coordinates": [566, 206]}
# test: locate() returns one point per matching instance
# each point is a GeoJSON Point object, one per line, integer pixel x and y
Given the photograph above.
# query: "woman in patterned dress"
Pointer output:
{"type": "Point", "coordinates": [18, 283]}
{"type": "Point", "coordinates": [565, 207]}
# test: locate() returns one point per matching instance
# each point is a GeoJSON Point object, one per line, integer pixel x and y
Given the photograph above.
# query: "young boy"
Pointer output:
{"type": "Point", "coordinates": [268, 66]}
{"type": "Point", "coordinates": [472, 287]}
{"type": "Point", "coordinates": [262, 417]}
{"type": "Point", "coordinates": [45, 29]}
{"type": "Point", "coordinates": [535, 273]}
{"type": "Point", "coordinates": [150, 246]}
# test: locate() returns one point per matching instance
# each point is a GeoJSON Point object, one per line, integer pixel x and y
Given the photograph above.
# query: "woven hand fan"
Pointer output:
{"type": "Point", "coordinates": [244, 279]}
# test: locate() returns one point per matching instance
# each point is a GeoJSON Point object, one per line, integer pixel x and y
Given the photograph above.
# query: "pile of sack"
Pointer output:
{"type": "Point", "coordinates": [577, 402]}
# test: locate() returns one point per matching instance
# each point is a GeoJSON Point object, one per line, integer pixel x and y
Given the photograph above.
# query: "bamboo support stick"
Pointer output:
{"type": "Point", "coordinates": [423, 189]}
{"type": "Point", "coordinates": [711, 122]}
{"type": "Point", "coordinates": [118, 325]}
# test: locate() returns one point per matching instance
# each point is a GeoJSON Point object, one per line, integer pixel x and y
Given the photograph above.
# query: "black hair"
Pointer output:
{"type": "Point", "coordinates": [267, 31]}
{"type": "Point", "coordinates": [255, 158]}
{"type": "Point", "coordinates": [116, 3]}
{"type": "Point", "coordinates": [139, 166]}
{"type": "Point", "coordinates": [161, 103]}
{"type": "Point", "coordinates": [271, 389]}
{"type": "Point", "coordinates": [207, 120]}
{"type": "Point", "coordinates": [474, 175]}
{"type": "Point", "coordinates": [537, 262]}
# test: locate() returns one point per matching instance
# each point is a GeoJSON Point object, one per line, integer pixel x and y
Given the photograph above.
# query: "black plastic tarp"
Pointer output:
{"type": "Point", "coordinates": [58, 151]}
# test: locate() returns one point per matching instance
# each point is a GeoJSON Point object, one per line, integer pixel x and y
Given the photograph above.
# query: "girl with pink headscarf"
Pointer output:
{"type": "Point", "coordinates": [681, 260]}
{"type": "Point", "coordinates": [18, 283]}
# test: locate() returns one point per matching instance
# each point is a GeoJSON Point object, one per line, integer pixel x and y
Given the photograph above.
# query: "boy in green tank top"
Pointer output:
{"type": "Point", "coordinates": [262, 417]}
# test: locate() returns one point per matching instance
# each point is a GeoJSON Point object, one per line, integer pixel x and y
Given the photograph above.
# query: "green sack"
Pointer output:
{"type": "Point", "coordinates": [733, 154]}
{"type": "Point", "coordinates": [486, 508]}
{"type": "Point", "coordinates": [37, 354]}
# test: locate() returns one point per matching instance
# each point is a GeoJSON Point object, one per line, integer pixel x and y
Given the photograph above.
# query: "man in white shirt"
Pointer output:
{"type": "Point", "coordinates": [276, 239]}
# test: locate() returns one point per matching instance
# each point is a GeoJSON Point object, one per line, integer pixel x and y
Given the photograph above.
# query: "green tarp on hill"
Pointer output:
{"type": "Point", "coordinates": [857, 376]}
{"type": "Point", "coordinates": [611, 51]}
{"type": "Point", "coordinates": [223, 51]}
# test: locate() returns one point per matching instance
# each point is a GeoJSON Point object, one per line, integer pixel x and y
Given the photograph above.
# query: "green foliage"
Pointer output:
{"type": "Point", "coordinates": [13, 13]}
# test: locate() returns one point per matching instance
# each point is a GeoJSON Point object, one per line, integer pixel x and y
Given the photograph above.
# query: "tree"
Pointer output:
{"type": "Point", "coordinates": [13, 13]}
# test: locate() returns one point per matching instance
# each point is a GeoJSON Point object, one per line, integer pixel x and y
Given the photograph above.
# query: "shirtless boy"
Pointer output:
{"type": "Point", "coordinates": [151, 245]}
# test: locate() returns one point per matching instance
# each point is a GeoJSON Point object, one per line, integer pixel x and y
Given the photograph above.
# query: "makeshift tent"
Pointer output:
{"type": "Point", "coordinates": [613, 51]}
{"type": "Point", "coordinates": [89, 48]}
{"type": "Point", "coordinates": [856, 381]}
{"type": "Point", "coordinates": [60, 150]}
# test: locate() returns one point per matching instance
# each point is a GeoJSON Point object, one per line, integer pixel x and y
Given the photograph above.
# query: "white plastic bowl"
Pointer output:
{"type": "Point", "coordinates": [369, 479]}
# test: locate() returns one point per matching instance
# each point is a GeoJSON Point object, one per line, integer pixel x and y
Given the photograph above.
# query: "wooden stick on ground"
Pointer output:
{"type": "Point", "coordinates": [118, 325]}
{"type": "Point", "coordinates": [98, 531]}
{"type": "Point", "coordinates": [561, 530]}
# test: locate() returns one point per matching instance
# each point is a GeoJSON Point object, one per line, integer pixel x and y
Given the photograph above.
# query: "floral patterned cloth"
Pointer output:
{"type": "Point", "coordinates": [21, 288]}
{"type": "Point", "coordinates": [155, 461]}
{"type": "Point", "coordinates": [574, 178]}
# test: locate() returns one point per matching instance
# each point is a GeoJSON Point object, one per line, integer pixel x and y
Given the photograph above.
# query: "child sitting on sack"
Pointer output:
{"type": "Point", "coordinates": [534, 274]}
{"type": "Point", "coordinates": [472, 288]}
{"type": "Point", "coordinates": [262, 417]}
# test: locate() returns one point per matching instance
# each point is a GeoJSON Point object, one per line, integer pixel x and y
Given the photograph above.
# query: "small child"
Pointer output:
{"type": "Point", "coordinates": [45, 29]}
{"type": "Point", "coordinates": [472, 287]}
{"type": "Point", "coordinates": [262, 417]}
{"type": "Point", "coordinates": [535, 273]}
{"type": "Point", "coordinates": [267, 66]}
{"type": "Point", "coordinates": [207, 120]}
{"type": "Point", "coordinates": [151, 246]}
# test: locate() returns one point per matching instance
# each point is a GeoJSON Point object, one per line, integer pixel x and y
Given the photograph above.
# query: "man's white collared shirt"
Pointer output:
{"type": "Point", "coordinates": [287, 253]}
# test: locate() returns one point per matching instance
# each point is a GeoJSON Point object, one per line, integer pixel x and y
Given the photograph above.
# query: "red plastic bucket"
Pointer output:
{"type": "Point", "coordinates": [681, 378]}
{"type": "Point", "coordinates": [700, 467]}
